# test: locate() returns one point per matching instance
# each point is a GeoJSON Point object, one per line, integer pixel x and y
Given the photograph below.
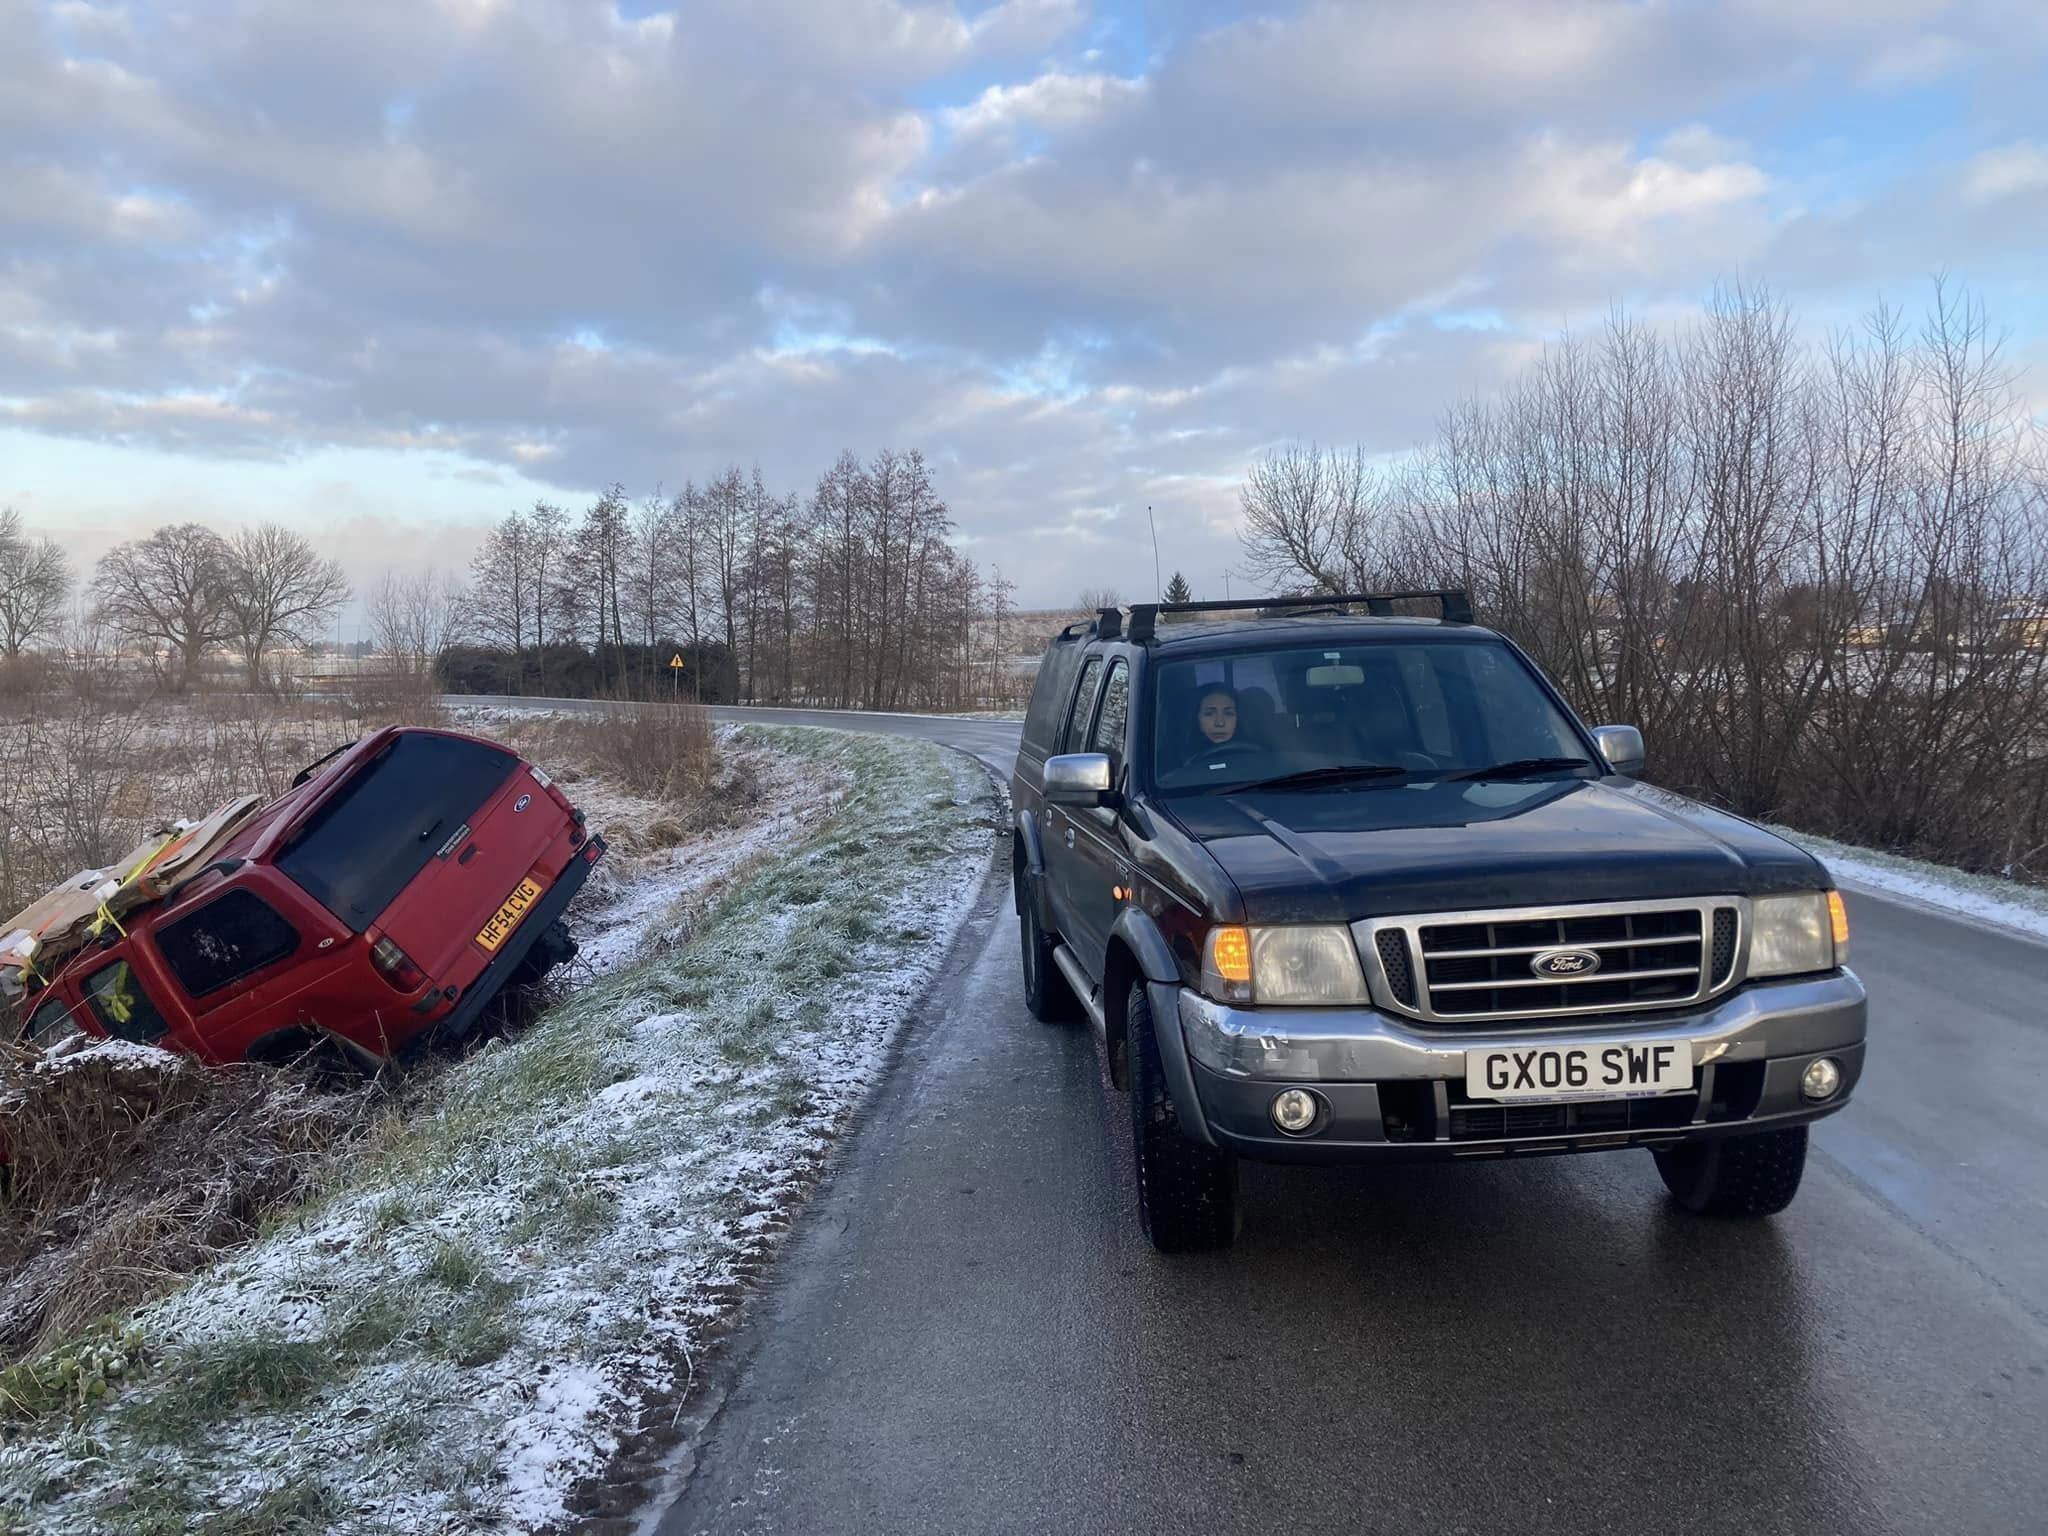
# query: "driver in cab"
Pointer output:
{"type": "Point", "coordinates": [1216, 717]}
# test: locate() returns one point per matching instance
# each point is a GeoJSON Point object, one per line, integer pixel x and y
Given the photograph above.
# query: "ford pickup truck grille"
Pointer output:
{"type": "Point", "coordinates": [1532, 963]}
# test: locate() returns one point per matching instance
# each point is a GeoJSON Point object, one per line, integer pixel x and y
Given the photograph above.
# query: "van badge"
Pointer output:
{"type": "Point", "coordinates": [521, 804]}
{"type": "Point", "coordinates": [1557, 964]}
{"type": "Point", "coordinates": [453, 842]}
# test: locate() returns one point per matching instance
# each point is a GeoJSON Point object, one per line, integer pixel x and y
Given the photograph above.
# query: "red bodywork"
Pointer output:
{"type": "Point", "coordinates": [241, 981]}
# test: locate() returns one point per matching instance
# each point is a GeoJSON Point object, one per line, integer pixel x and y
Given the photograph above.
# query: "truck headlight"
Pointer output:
{"type": "Point", "coordinates": [1285, 966]}
{"type": "Point", "coordinates": [1791, 934]}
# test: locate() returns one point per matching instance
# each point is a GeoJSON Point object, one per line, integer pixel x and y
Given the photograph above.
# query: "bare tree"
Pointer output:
{"type": "Point", "coordinates": [35, 581]}
{"type": "Point", "coordinates": [547, 535]}
{"type": "Point", "coordinates": [500, 578]}
{"type": "Point", "coordinates": [1093, 598]}
{"type": "Point", "coordinates": [280, 592]}
{"type": "Point", "coordinates": [171, 588]}
{"type": "Point", "coordinates": [1314, 515]}
{"type": "Point", "coordinates": [414, 617]}
{"type": "Point", "coordinates": [1816, 575]}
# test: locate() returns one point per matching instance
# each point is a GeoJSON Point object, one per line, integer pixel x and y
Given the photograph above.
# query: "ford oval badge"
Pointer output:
{"type": "Point", "coordinates": [525, 800]}
{"type": "Point", "coordinates": [1564, 964]}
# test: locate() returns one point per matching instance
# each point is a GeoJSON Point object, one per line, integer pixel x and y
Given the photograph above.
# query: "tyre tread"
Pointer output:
{"type": "Point", "coordinates": [1187, 1192]}
{"type": "Point", "coordinates": [1743, 1176]}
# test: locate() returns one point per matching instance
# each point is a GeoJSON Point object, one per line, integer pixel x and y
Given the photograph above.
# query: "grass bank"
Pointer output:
{"type": "Point", "coordinates": [501, 1297]}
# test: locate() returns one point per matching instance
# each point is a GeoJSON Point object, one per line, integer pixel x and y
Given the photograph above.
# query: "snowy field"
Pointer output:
{"type": "Point", "coordinates": [500, 1307]}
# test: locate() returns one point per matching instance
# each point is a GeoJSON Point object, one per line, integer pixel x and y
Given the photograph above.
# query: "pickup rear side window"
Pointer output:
{"type": "Point", "coordinates": [1077, 716]}
{"type": "Point", "coordinates": [382, 827]}
{"type": "Point", "coordinates": [1108, 734]}
{"type": "Point", "coordinates": [114, 993]}
{"type": "Point", "coordinates": [224, 941]}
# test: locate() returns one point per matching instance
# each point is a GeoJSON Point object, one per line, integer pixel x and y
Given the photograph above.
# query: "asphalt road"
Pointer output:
{"type": "Point", "coordinates": [968, 1333]}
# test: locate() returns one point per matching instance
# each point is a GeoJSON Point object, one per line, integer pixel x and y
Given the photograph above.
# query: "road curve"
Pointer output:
{"type": "Point", "coordinates": [967, 1332]}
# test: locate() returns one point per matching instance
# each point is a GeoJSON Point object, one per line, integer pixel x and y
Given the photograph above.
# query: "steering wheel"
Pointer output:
{"type": "Point", "coordinates": [1232, 748]}
{"type": "Point", "coordinates": [1421, 760]}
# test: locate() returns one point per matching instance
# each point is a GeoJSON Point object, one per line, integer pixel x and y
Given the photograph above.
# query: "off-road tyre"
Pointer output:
{"type": "Point", "coordinates": [1046, 992]}
{"type": "Point", "coordinates": [1753, 1175]}
{"type": "Point", "coordinates": [555, 946]}
{"type": "Point", "coordinates": [1187, 1192]}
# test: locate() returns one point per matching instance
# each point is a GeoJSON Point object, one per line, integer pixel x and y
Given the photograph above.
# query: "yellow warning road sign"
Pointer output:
{"type": "Point", "coordinates": [676, 661]}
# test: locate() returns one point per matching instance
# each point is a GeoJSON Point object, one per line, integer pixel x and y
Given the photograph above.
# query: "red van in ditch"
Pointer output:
{"type": "Point", "coordinates": [401, 883]}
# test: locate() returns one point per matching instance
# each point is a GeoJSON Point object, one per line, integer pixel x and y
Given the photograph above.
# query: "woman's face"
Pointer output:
{"type": "Point", "coordinates": [1219, 717]}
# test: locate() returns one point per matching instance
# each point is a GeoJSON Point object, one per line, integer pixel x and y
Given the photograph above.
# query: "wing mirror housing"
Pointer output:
{"type": "Point", "coordinates": [1622, 746]}
{"type": "Point", "coordinates": [1078, 778]}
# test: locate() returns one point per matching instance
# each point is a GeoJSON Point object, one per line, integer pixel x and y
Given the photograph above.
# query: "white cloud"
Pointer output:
{"type": "Point", "coordinates": [1052, 102]}
{"type": "Point", "coordinates": [1081, 275]}
{"type": "Point", "coordinates": [1913, 60]}
{"type": "Point", "coordinates": [2010, 171]}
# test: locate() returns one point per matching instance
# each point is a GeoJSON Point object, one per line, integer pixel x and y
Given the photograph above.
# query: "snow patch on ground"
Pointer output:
{"type": "Point", "coordinates": [635, 901]}
{"type": "Point", "coordinates": [1981, 898]}
{"type": "Point", "coordinates": [520, 1277]}
{"type": "Point", "coordinates": [122, 1055]}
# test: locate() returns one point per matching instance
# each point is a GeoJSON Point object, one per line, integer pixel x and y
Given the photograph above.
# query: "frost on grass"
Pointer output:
{"type": "Point", "coordinates": [455, 1339]}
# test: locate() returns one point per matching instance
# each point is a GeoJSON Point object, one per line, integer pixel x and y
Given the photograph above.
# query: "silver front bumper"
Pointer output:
{"type": "Point", "coordinates": [1803, 1016]}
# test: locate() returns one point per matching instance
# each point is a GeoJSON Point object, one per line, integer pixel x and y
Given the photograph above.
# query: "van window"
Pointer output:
{"type": "Point", "coordinates": [51, 1022]}
{"type": "Point", "coordinates": [365, 844]}
{"type": "Point", "coordinates": [114, 993]}
{"type": "Point", "coordinates": [224, 941]}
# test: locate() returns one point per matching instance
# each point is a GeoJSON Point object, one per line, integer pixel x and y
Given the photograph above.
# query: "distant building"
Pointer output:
{"type": "Point", "coordinates": [2027, 621]}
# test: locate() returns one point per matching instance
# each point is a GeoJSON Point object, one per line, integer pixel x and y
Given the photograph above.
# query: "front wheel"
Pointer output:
{"type": "Point", "coordinates": [1187, 1192]}
{"type": "Point", "coordinates": [1753, 1175]}
{"type": "Point", "coordinates": [1046, 992]}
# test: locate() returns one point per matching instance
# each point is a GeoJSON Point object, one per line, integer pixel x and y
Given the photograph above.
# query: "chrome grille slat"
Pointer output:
{"type": "Point", "coordinates": [1538, 981]}
{"type": "Point", "coordinates": [1703, 943]}
{"type": "Point", "coordinates": [1537, 949]}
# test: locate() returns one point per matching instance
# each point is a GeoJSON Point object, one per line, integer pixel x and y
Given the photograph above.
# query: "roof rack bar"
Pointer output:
{"type": "Point", "coordinates": [1455, 603]}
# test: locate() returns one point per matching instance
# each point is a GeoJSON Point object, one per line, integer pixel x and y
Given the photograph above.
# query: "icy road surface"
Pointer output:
{"type": "Point", "coordinates": [968, 1332]}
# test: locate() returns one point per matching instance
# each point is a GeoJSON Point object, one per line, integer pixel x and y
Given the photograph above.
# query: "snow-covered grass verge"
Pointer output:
{"type": "Point", "coordinates": [510, 1287]}
{"type": "Point", "coordinates": [1981, 898]}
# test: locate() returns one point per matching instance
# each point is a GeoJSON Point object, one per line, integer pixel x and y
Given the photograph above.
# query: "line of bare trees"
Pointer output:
{"type": "Point", "coordinates": [185, 591]}
{"type": "Point", "coordinates": [1816, 572]}
{"type": "Point", "coordinates": [852, 596]}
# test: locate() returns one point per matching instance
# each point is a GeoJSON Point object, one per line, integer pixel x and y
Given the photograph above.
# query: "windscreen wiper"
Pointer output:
{"type": "Point", "coordinates": [1520, 767]}
{"type": "Point", "coordinates": [1333, 773]}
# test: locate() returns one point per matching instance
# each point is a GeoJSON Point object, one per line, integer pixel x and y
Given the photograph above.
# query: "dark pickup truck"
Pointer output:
{"type": "Point", "coordinates": [1344, 886]}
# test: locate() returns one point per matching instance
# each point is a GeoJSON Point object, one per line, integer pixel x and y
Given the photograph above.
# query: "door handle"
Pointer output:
{"type": "Point", "coordinates": [1070, 837]}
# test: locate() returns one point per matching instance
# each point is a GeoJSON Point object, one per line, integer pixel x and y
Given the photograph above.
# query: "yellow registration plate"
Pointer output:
{"type": "Point", "coordinates": [500, 927]}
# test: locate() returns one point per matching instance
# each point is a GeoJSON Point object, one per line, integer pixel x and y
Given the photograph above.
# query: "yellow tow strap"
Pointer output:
{"type": "Point", "coordinates": [105, 918]}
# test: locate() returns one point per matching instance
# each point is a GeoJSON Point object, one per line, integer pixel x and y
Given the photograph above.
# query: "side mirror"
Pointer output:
{"type": "Point", "coordinates": [1077, 778]}
{"type": "Point", "coordinates": [1622, 746]}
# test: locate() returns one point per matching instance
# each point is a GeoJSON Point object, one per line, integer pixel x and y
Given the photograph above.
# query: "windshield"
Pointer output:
{"type": "Point", "coordinates": [1337, 717]}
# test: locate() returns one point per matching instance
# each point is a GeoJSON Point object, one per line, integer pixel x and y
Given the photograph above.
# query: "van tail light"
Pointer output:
{"type": "Point", "coordinates": [396, 966]}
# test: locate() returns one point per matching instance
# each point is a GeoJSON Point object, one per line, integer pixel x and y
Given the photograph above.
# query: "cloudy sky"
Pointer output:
{"type": "Point", "coordinates": [386, 269]}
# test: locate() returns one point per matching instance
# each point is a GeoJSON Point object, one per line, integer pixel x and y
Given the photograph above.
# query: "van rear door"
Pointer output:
{"type": "Point", "coordinates": [475, 889]}
{"type": "Point", "coordinates": [404, 844]}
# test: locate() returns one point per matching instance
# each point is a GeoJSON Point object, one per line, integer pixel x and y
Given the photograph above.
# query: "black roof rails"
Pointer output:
{"type": "Point", "coordinates": [1107, 624]}
{"type": "Point", "coordinates": [1455, 604]}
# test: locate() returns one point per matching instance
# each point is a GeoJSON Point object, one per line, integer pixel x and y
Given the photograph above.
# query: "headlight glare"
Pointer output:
{"type": "Point", "coordinates": [1791, 934]}
{"type": "Point", "coordinates": [1306, 966]}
